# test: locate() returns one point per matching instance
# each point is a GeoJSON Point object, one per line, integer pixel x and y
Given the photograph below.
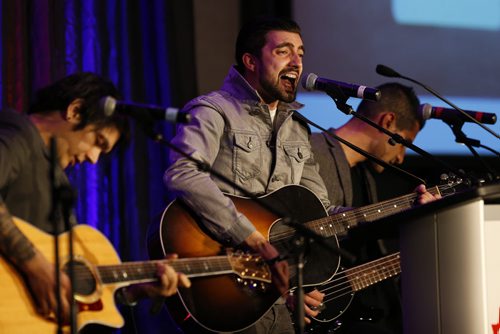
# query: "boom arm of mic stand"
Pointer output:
{"type": "Point", "coordinates": [442, 98]}
{"type": "Point", "coordinates": [359, 150]}
{"type": "Point", "coordinates": [400, 140]}
{"type": "Point", "coordinates": [340, 100]}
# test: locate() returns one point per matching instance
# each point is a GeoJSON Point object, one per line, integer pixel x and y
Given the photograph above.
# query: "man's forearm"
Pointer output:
{"type": "Point", "coordinates": [13, 243]}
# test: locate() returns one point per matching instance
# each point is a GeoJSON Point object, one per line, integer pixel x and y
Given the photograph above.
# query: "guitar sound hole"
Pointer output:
{"type": "Point", "coordinates": [85, 283]}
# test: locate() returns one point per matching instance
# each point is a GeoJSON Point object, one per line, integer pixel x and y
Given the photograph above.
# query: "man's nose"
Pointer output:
{"type": "Point", "coordinates": [400, 157]}
{"type": "Point", "coordinates": [296, 60]}
{"type": "Point", "coordinates": [93, 154]}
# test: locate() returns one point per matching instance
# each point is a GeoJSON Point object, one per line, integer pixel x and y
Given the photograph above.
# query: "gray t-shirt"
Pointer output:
{"type": "Point", "coordinates": [25, 182]}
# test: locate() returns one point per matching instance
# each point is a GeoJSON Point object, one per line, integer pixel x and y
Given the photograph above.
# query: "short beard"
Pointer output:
{"type": "Point", "coordinates": [273, 93]}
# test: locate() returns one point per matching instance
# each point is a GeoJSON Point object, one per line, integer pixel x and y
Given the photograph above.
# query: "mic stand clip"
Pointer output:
{"type": "Point", "coordinates": [461, 138]}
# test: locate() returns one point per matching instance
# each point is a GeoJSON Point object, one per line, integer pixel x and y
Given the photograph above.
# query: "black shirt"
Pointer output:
{"type": "Point", "coordinates": [25, 184]}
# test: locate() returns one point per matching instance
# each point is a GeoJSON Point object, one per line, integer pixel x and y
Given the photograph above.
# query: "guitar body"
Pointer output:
{"type": "Point", "coordinates": [17, 309]}
{"type": "Point", "coordinates": [236, 306]}
{"type": "Point", "coordinates": [343, 299]}
{"type": "Point", "coordinates": [222, 303]}
{"type": "Point", "coordinates": [339, 291]}
{"type": "Point", "coordinates": [180, 231]}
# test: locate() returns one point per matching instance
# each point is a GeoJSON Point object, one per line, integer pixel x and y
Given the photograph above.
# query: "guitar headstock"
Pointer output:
{"type": "Point", "coordinates": [449, 184]}
{"type": "Point", "coordinates": [249, 266]}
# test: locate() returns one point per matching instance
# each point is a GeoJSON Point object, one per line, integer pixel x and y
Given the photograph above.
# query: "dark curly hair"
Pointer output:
{"type": "Point", "coordinates": [90, 88]}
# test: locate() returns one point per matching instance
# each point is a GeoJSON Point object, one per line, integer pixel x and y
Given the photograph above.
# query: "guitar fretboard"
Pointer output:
{"type": "Point", "coordinates": [147, 271]}
{"type": "Point", "coordinates": [373, 272]}
{"type": "Point", "coordinates": [340, 223]}
{"type": "Point", "coordinates": [354, 279]}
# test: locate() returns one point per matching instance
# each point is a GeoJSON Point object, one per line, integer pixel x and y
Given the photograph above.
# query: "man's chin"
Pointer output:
{"type": "Point", "coordinates": [289, 97]}
{"type": "Point", "coordinates": [377, 168]}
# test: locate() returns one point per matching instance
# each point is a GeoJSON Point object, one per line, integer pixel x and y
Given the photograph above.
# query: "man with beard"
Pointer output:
{"type": "Point", "coordinates": [247, 132]}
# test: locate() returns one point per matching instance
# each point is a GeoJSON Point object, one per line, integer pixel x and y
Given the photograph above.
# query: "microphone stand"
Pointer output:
{"type": "Point", "coordinates": [62, 200]}
{"type": "Point", "coordinates": [359, 150]}
{"type": "Point", "coordinates": [340, 100]}
{"type": "Point", "coordinates": [456, 128]}
{"type": "Point", "coordinates": [461, 138]}
{"type": "Point", "coordinates": [300, 242]}
{"type": "Point", "coordinates": [388, 72]}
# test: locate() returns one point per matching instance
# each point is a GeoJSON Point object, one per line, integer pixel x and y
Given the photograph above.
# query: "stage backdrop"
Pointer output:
{"type": "Point", "coordinates": [136, 44]}
{"type": "Point", "coordinates": [450, 45]}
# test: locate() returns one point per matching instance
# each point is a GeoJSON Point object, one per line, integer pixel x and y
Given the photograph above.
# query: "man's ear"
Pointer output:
{"type": "Point", "coordinates": [72, 114]}
{"type": "Point", "coordinates": [387, 120]}
{"type": "Point", "coordinates": [249, 61]}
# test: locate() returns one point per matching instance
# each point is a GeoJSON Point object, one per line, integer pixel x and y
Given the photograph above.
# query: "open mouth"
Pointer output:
{"type": "Point", "coordinates": [289, 79]}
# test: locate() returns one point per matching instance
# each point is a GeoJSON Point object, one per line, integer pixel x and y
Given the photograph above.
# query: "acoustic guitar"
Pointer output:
{"type": "Point", "coordinates": [99, 273]}
{"type": "Point", "coordinates": [181, 231]}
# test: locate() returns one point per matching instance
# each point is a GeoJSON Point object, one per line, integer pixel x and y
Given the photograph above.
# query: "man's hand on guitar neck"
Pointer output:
{"type": "Point", "coordinates": [169, 281]}
{"type": "Point", "coordinates": [423, 196]}
{"type": "Point", "coordinates": [40, 275]}
{"type": "Point", "coordinates": [279, 268]}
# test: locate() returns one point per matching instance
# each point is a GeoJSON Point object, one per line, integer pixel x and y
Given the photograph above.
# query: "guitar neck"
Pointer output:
{"type": "Point", "coordinates": [146, 271]}
{"type": "Point", "coordinates": [340, 223]}
{"type": "Point", "coordinates": [373, 272]}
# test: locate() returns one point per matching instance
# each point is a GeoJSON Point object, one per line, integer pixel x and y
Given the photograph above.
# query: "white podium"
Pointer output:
{"type": "Point", "coordinates": [450, 258]}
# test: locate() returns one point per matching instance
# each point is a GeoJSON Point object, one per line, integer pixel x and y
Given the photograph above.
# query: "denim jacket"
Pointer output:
{"type": "Point", "coordinates": [231, 130]}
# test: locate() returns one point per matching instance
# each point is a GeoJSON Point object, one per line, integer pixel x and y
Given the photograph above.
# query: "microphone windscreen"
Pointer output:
{"type": "Point", "coordinates": [107, 104]}
{"type": "Point", "coordinates": [309, 81]}
{"type": "Point", "coordinates": [426, 111]}
{"type": "Point", "coordinates": [387, 71]}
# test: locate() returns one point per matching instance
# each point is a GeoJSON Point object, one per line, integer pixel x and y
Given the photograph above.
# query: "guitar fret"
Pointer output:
{"type": "Point", "coordinates": [203, 265]}
{"type": "Point", "coordinates": [142, 271]}
{"type": "Point", "coordinates": [127, 272]}
{"type": "Point", "coordinates": [373, 272]}
{"type": "Point", "coordinates": [340, 223]}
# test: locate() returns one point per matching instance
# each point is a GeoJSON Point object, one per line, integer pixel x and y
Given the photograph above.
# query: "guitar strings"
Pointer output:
{"type": "Point", "coordinates": [349, 282]}
{"type": "Point", "coordinates": [380, 264]}
{"type": "Point", "coordinates": [340, 222]}
{"type": "Point", "coordinates": [186, 265]}
{"type": "Point", "coordinates": [146, 269]}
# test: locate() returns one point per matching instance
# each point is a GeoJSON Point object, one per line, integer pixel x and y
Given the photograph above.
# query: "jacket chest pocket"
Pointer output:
{"type": "Point", "coordinates": [297, 156]}
{"type": "Point", "coordinates": [247, 158]}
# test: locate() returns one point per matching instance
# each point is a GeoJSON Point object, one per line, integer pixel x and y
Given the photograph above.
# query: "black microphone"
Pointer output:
{"type": "Point", "coordinates": [313, 82]}
{"type": "Point", "coordinates": [387, 71]}
{"type": "Point", "coordinates": [143, 111]}
{"type": "Point", "coordinates": [451, 115]}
